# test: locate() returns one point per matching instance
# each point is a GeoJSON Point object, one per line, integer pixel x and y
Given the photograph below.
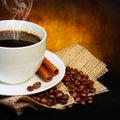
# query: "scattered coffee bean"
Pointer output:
{"type": "Point", "coordinates": [30, 88]}
{"type": "Point", "coordinates": [36, 85]}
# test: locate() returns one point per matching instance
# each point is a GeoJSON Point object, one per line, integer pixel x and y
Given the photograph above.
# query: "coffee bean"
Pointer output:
{"type": "Point", "coordinates": [44, 100]}
{"type": "Point", "coordinates": [59, 94]}
{"type": "Point", "coordinates": [36, 85]}
{"type": "Point", "coordinates": [74, 94]}
{"type": "Point", "coordinates": [72, 85]}
{"type": "Point", "coordinates": [65, 96]}
{"type": "Point", "coordinates": [82, 102]}
{"type": "Point", "coordinates": [83, 95]}
{"type": "Point", "coordinates": [63, 101]}
{"type": "Point", "coordinates": [90, 98]}
{"type": "Point", "coordinates": [30, 88]}
{"type": "Point", "coordinates": [90, 101]}
{"type": "Point", "coordinates": [51, 96]}
{"type": "Point", "coordinates": [78, 99]}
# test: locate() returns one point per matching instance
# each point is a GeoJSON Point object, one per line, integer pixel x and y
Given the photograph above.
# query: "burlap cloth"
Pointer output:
{"type": "Point", "coordinates": [75, 56]}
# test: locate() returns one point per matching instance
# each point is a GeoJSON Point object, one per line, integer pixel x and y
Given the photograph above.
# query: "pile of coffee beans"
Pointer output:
{"type": "Point", "coordinates": [79, 85]}
{"type": "Point", "coordinates": [51, 97]}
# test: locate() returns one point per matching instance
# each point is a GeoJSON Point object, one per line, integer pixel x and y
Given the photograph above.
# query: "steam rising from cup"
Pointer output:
{"type": "Point", "coordinates": [20, 9]}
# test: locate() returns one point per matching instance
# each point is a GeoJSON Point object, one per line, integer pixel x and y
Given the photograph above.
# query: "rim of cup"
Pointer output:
{"type": "Point", "coordinates": [31, 32]}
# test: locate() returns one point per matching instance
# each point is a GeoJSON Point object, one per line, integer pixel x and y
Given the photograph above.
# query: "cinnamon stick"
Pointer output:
{"type": "Point", "coordinates": [44, 73]}
{"type": "Point", "coordinates": [47, 70]}
{"type": "Point", "coordinates": [50, 67]}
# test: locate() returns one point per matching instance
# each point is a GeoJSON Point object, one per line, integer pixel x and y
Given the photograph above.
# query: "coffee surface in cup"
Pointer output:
{"type": "Point", "coordinates": [17, 39]}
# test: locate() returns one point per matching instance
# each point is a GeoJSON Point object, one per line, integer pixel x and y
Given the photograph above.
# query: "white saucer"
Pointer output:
{"type": "Point", "coordinates": [21, 89]}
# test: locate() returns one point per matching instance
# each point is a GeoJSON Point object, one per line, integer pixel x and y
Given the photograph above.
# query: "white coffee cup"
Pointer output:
{"type": "Point", "coordinates": [19, 64]}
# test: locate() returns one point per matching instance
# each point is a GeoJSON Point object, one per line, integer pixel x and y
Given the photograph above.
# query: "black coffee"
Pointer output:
{"type": "Point", "coordinates": [17, 39]}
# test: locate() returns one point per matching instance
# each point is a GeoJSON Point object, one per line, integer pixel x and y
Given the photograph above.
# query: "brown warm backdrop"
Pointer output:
{"type": "Point", "coordinates": [93, 24]}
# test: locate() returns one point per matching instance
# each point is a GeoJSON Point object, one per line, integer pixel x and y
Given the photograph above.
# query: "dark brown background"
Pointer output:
{"type": "Point", "coordinates": [95, 24]}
